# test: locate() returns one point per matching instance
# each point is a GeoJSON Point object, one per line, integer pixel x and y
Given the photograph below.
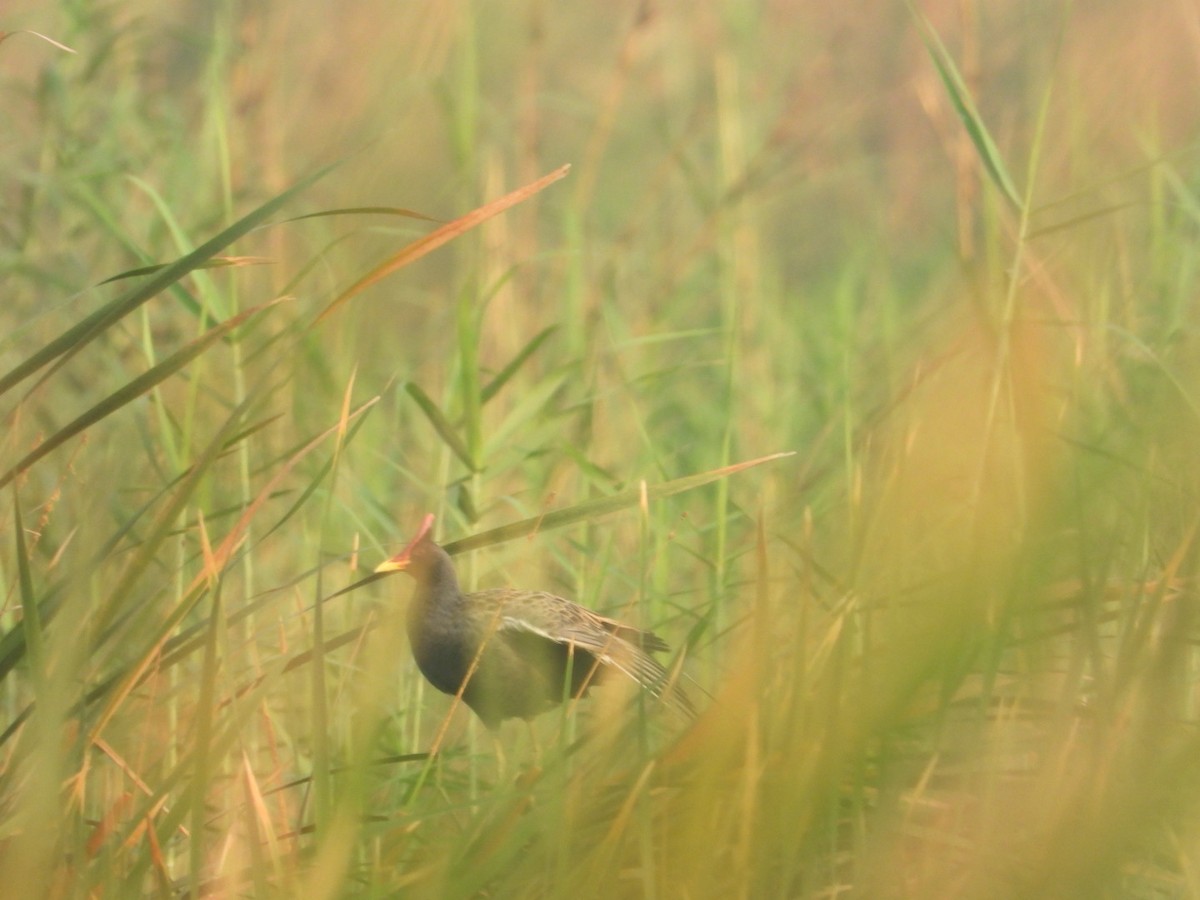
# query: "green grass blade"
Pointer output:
{"type": "Point", "coordinates": [131, 391]}
{"type": "Point", "coordinates": [31, 620]}
{"type": "Point", "coordinates": [78, 336]}
{"type": "Point", "coordinates": [593, 509]}
{"type": "Point", "coordinates": [364, 210]}
{"type": "Point", "coordinates": [964, 106]}
{"type": "Point", "coordinates": [440, 424]}
{"type": "Point", "coordinates": [321, 474]}
{"type": "Point", "coordinates": [502, 378]}
{"type": "Point", "coordinates": [217, 262]}
{"type": "Point", "coordinates": [468, 354]}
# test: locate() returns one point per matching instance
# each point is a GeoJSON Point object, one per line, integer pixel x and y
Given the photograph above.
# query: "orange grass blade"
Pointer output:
{"type": "Point", "coordinates": [443, 235]}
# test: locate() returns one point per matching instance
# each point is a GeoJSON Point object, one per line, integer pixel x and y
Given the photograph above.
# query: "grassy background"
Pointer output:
{"type": "Point", "coordinates": [951, 642]}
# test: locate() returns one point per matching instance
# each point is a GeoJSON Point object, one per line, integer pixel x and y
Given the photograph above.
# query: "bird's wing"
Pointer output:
{"type": "Point", "coordinates": [647, 640]}
{"type": "Point", "coordinates": [564, 622]}
{"type": "Point", "coordinates": [548, 611]}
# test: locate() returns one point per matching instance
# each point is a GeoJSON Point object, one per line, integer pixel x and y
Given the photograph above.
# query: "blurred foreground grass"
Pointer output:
{"type": "Point", "coordinates": [951, 642]}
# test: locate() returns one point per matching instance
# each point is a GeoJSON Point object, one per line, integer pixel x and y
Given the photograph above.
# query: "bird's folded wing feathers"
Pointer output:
{"type": "Point", "coordinates": [560, 621]}
{"type": "Point", "coordinates": [549, 612]}
{"type": "Point", "coordinates": [610, 650]}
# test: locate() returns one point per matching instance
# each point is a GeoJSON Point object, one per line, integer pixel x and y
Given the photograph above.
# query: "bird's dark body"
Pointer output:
{"type": "Point", "coordinates": [518, 676]}
{"type": "Point", "coordinates": [526, 642]}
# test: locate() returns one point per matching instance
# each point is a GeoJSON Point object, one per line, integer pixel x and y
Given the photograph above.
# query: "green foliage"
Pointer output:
{"type": "Point", "coordinates": [897, 455]}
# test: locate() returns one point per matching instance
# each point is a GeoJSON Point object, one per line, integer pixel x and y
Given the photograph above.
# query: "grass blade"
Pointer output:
{"type": "Point", "coordinates": [441, 424]}
{"type": "Point", "coordinates": [504, 375]}
{"type": "Point", "coordinates": [960, 97]}
{"type": "Point", "coordinates": [217, 262]}
{"type": "Point", "coordinates": [220, 559]}
{"type": "Point", "coordinates": [75, 338]}
{"type": "Point", "coordinates": [602, 506]}
{"type": "Point", "coordinates": [365, 210]}
{"type": "Point", "coordinates": [5, 35]}
{"type": "Point", "coordinates": [591, 509]}
{"type": "Point", "coordinates": [443, 235]}
{"type": "Point", "coordinates": [131, 391]}
{"type": "Point", "coordinates": [31, 621]}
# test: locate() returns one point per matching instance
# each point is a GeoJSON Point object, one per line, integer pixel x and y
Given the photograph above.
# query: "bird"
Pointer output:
{"type": "Point", "coordinates": [510, 652]}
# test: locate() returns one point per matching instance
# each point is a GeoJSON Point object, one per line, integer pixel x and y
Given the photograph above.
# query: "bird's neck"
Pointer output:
{"type": "Point", "coordinates": [437, 584]}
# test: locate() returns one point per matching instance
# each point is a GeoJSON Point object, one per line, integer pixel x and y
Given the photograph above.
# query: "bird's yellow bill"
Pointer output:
{"type": "Point", "coordinates": [391, 565]}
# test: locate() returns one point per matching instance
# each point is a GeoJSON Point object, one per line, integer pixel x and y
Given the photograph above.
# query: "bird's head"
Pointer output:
{"type": "Point", "coordinates": [416, 556]}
